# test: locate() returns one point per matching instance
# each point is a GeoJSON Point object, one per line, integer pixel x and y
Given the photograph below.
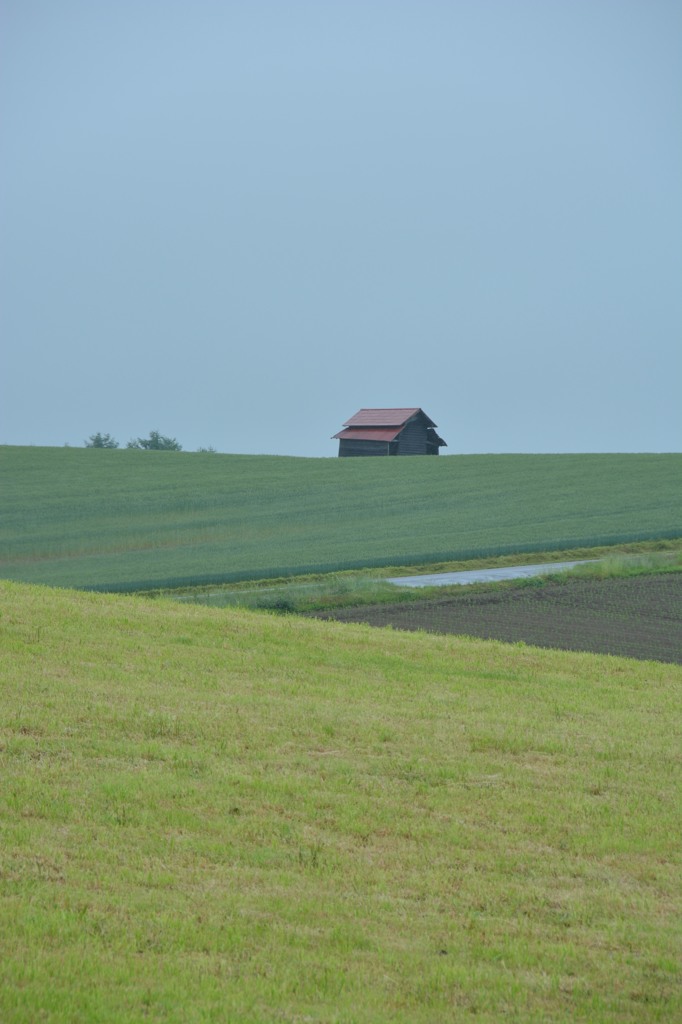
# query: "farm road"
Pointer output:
{"type": "Point", "coordinates": [509, 572]}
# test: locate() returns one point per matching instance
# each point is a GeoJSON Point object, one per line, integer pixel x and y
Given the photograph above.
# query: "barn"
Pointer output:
{"type": "Point", "coordinates": [389, 432]}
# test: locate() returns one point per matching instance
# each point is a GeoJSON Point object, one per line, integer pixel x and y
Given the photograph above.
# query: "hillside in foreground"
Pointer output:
{"type": "Point", "coordinates": [225, 815]}
{"type": "Point", "coordinates": [137, 520]}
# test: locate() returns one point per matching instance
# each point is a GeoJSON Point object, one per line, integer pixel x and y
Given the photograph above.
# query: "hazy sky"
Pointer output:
{"type": "Point", "coordinates": [239, 221]}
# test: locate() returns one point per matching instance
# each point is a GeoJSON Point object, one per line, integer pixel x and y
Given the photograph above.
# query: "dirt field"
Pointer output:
{"type": "Point", "coordinates": [638, 617]}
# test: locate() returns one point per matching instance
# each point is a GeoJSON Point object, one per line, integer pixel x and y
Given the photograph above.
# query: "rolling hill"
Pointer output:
{"type": "Point", "coordinates": [126, 520]}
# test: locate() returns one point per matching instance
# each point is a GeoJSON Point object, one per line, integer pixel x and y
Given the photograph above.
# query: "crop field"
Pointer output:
{"type": "Point", "coordinates": [225, 815]}
{"type": "Point", "coordinates": [637, 617]}
{"type": "Point", "coordinates": [137, 520]}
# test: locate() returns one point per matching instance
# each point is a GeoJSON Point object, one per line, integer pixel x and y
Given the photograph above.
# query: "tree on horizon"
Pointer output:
{"type": "Point", "coordinates": [99, 440]}
{"type": "Point", "coordinates": [155, 442]}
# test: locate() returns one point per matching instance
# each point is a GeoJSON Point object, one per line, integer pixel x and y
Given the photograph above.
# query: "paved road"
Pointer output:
{"type": "Point", "coordinates": [509, 572]}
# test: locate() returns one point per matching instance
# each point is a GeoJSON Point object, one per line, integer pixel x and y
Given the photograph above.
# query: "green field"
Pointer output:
{"type": "Point", "coordinates": [223, 815]}
{"type": "Point", "coordinates": [138, 520]}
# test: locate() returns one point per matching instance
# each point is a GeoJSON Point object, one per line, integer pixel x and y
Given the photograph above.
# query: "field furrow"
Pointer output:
{"type": "Point", "coordinates": [638, 617]}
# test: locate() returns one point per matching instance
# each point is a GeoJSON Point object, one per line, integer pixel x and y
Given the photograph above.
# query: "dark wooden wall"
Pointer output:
{"type": "Point", "coordinates": [432, 445]}
{"type": "Point", "coordinates": [350, 447]}
{"type": "Point", "coordinates": [412, 439]}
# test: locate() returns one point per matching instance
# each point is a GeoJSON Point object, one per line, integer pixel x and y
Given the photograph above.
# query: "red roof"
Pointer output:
{"type": "Point", "coordinates": [369, 433]}
{"type": "Point", "coordinates": [384, 418]}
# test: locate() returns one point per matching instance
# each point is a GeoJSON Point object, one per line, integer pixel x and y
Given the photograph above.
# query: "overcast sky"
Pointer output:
{"type": "Point", "coordinates": [239, 221]}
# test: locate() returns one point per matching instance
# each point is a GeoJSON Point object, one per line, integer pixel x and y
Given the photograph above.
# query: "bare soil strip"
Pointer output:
{"type": "Point", "coordinates": [636, 617]}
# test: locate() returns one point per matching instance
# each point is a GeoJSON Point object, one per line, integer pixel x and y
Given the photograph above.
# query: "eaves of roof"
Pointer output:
{"type": "Point", "coordinates": [368, 433]}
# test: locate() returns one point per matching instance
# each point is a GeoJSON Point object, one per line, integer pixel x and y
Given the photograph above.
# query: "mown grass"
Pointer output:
{"type": "Point", "coordinates": [215, 815]}
{"type": "Point", "coordinates": [140, 520]}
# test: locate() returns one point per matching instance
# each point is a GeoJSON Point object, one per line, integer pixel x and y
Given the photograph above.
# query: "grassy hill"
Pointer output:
{"type": "Point", "coordinates": [214, 815]}
{"type": "Point", "coordinates": [137, 520]}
